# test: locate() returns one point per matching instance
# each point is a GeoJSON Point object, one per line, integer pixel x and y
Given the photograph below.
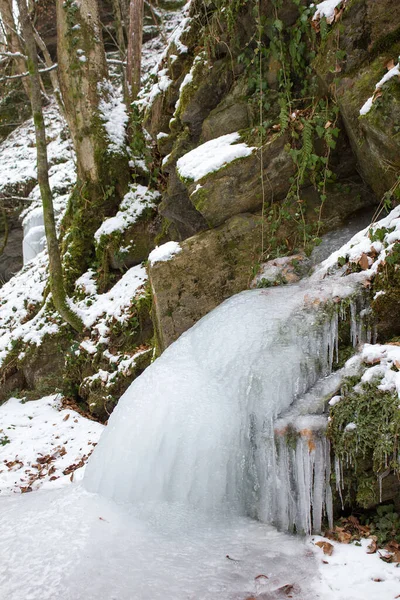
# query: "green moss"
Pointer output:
{"type": "Point", "coordinates": [370, 448]}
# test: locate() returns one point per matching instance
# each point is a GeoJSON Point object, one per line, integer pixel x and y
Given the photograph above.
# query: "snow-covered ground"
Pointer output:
{"type": "Point", "coordinates": [351, 573]}
{"type": "Point", "coordinates": [42, 444]}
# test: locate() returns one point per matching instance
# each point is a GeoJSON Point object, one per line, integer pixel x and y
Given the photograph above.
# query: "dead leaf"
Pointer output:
{"type": "Point", "coordinates": [66, 417]}
{"type": "Point", "coordinates": [286, 589]}
{"type": "Point", "coordinates": [327, 548]}
{"type": "Point", "coordinates": [364, 262]}
{"type": "Point", "coordinates": [261, 576]}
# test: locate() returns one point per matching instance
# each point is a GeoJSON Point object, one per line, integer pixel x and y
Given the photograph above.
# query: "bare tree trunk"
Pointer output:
{"type": "Point", "coordinates": [103, 170]}
{"type": "Point", "coordinates": [134, 57]}
{"type": "Point", "coordinates": [55, 269]}
{"type": "Point", "coordinates": [13, 41]}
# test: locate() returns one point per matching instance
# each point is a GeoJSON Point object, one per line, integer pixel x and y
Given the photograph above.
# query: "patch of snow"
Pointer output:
{"type": "Point", "coordinates": [164, 252]}
{"type": "Point", "coordinates": [367, 106]}
{"type": "Point", "coordinates": [362, 243]}
{"type": "Point", "coordinates": [18, 298]}
{"type": "Point", "coordinates": [113, 113]}
{"type": "Point", "coordinates": [135, 202]}
{"type": "Point", "coordinates": [387, 357]}
{"type": "Point", "coordinates": [97, 312]}
{"type": "Point", "coordinates": [350, 427]}
{"type": "Point", "coordinates": [87, 283]}
{"type": "Point", "coordinates": [350, 573]}
{"type": "Point", "coordinates": [326, 9]}
{"type": "Point", "coordinates": [211, 156]}
{"type": "Point", "coordinates": [335, 400]}
{"type": "Point", "coordinates": [393, 72]}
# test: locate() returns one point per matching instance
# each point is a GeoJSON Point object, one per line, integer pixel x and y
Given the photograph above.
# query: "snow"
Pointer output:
{"type": "Point", "coordinates": [335, 400]}
{"type": "Point", "coordinates": [87, 283]}
{"type": "Point", "coordinates": [22, 294]}
{"type": "Point", "coordinates": [113, 113]}
{"type": "Point", "coordinates": [350, 427]}
{"type": "Point", "coordinates": [211, 156]}
{"type": "Point", "coordinates": [393, 72]}
{"type": "Point", "coordinates": [18, 151]}
{"type": "Point", "coordinates": [350, 573]}
{"type": "Point", "coordinates": [362, 243]}
{"type": "Point", "coordinates": [327, 9]}
{"type": "Point", "coordinates": [138, 199]}
{"type": "Point", "coordinates": [39, 440]}
{"type": "Point", "coordinates": [164, 252]}
{"type": "Point", "coordinates": [98, 311]}
{"type": "Point", "coordinates": [367, 106]}
{"type": "Point", "coordinates": [386, 361]}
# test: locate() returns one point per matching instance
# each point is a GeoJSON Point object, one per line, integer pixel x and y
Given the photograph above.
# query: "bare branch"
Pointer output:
{"type": "Point", "coordinates": [13, 55]}
{"type": "Point", "coordinates": [114, 61]}
{"type": "Point", "coordinates": [20, 75]}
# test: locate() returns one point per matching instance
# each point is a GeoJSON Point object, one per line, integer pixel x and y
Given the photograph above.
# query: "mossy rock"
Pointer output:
{"type": "Point", "coordinates": [237, 187]}
{"type": "Point", "coordinates": [212, 266]}
{"type": "Point", "coordinates": [231, 114]}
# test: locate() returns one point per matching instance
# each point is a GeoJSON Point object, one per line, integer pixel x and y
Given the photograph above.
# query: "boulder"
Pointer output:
{"type": "Point", "coordinates": [212, 266]}
{"type": "Point", "coordinates": [237, 187]}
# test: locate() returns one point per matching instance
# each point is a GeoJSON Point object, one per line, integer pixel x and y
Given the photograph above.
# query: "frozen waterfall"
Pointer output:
{"type": "Point", "coordinates": [197, 427]}
{"type": "Point", "coordinates": [34, 234]}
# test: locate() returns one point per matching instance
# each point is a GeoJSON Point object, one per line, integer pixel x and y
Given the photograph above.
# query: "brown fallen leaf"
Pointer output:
{"type": "Point", "coordinates": [261, 576]}
{"type": "Point", "coordinates": [66, 417]}
{"type": "Point", "coordinates": [363, 262]}
{"type": "Point", "coordinates": [286, 589]}
{"type": "Point", "coordinates": [326, 547]}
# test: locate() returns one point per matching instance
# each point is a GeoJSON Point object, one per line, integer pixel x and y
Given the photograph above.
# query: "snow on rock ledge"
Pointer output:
{"type": "Point", "coordinates": [133, 205]}
{"type": "Point", "coordinates": [211, 156]}
{"type": "Point", "coordinates": [164, 252]}
{"type": "Point", "coordinates": [327, 9]}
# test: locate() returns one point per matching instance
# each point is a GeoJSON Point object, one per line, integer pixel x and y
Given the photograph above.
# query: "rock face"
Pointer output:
{"type": "Point", "coordinates": [368, 42]}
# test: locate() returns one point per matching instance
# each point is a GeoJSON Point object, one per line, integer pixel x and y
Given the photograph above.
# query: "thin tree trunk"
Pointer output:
{"type": "Point", "coordinates": [13, 40]}
{"type": "Point", "coordinates": [49, 63]}
{"type": "Point", "coordinates": [119, 27]}
{"type": "Point", "coordinates": [55, 269]}
{"type": "Point", "coordinates": [134, 57]}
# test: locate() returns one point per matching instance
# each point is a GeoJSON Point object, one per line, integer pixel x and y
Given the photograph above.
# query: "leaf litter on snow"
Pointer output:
{"type": "Point", "coordinates": [48, 445]}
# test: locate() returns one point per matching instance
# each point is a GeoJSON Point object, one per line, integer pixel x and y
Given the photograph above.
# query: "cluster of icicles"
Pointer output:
{"type": "Point", "coordinates": [230, 418]}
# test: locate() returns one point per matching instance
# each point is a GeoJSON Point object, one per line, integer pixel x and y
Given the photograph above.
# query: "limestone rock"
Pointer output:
{"type": "Point", "coordinates": [212, 266]}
